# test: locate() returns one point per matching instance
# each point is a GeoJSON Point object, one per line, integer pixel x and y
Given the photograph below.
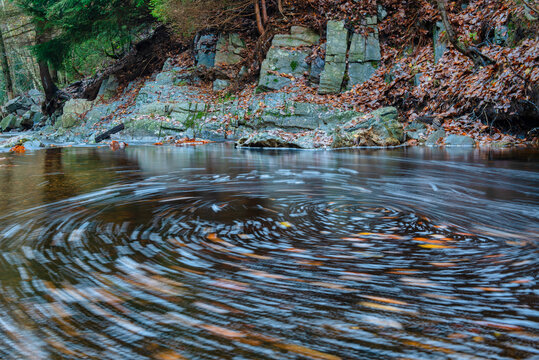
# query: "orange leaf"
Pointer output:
{"type": "Point", "coordinates": [19, 149]}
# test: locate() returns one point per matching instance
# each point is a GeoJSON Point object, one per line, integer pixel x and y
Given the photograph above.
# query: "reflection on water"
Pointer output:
{"type": "Point", "coordinates": [216, 253]}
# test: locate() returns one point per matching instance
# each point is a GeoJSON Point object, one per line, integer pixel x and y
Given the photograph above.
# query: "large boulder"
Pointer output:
{"type": "Point", "coordinates": [8, 122]}
{"type": "Point", "coordinates": [19, 103]}
{"type": "Point", "coordinates": [378, 128]}
{"type": "Point", "coordinates": [280, 111]}
{"type": "Point", "coordinates": [74, 110]}
{"type": "Point", "coordinates": [36, 96]}
{"type": "Point", "coordinates": [282, 139]}
{"type": "Point", "coordinates": [268, 139]}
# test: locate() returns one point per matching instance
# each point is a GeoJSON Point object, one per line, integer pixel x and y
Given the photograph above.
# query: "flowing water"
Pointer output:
{"type": "Point", "coordinates": [218, 253]}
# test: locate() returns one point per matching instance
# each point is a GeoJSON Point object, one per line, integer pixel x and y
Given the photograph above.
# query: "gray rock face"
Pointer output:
{"type": "Point", "coordinates": [372, 47]}
{"type": "Point", "coordinates": [99, 112]}
{"type": "Point", "coordinates": [364, 55]}
{"type": "Point", "coordinates": [337, 41]}
{"type": "Point", "coordinates": [108, 88]}
{"type": "Point", "coordinates": [168, 65]}
{"type": "Point", "coordinates": [205, 46]}
{"type": "Point", "coordinates": [22, 108]}
{"type": "Point", "coordinates": [219, 85]}
{"type": "Point", "coordinates": [34, 93]}
{"type": "Point", "coordinates": [165, 78]}
{"type": "Point", "coordinates": [229, 52]}
{"type": "Point", "coordinates": [229, 49]}
{"type": "Point", "coordinates": [440, 45]}
{"type": "Point", "coordinates": [37, 118]}
{"type": "Point", "coordinates": [299, 36]}
{"type": "Point", "coordinates": [331, 79]}
{"type": "Point", "coordinates": [317, 66]}
{"type": "Point", "coordinates": [282, 60]}
{"type": "Point", "coordinates": [73, 111]}
{"type": "Point", "coordinates": [358, 73]}
{"type": "Point", "coordinates": [382, 13]}
{"type": "Point", "coordinates": [459, 140]}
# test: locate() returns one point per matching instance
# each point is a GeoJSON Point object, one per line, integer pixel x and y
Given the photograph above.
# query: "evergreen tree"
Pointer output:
{"type": "Point", "coordinates": [63, 24]}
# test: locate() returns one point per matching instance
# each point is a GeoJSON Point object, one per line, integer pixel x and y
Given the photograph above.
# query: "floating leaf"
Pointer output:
{"type": "Point", "coordinates": [380, 306]}
{"type": "Point", "coordinates": [386, 300]}
{"type": "Point", "coordinates": [434, 246]}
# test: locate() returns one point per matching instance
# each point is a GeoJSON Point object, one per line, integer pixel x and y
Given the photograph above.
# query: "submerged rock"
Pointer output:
{"type": "Point", "coordinates": [459, 140]}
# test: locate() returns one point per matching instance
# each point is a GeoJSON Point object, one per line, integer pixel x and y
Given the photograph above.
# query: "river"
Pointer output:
{"type": "Point", "coordinates": [218, 253]}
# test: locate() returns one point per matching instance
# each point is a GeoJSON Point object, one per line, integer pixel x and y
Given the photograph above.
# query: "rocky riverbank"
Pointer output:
{"type": "Point", "coordinates": [291, 105]}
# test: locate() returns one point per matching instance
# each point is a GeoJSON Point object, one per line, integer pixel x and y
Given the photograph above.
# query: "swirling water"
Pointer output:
{"type": "Point", "coordinates": [218, 253]}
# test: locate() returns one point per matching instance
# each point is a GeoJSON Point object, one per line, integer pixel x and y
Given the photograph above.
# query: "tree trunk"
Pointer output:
{"type": "Point", "coordinates": [5, 67]}
{"type": "Point", "coordinates": [264, 12]}
{"type": "Point", "coordinates": [54, 74]}
{"type": "Point", "coordinates": [50, 89]}
{"type": "Point", "coordinates": [478, 58]}
{"type": "Point", "coordinates": [280, 7]}
{"type": "Point", "coordinates": [259, 23]}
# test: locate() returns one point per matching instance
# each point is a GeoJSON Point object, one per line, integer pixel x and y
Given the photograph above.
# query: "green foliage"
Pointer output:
{"type": "Point", "coordinates": [75, 22]}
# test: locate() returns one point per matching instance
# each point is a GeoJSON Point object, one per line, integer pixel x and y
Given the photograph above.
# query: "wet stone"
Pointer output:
{"type": "Point", "coordinates": [435, 137]}
{"type": "Point", "coordinates": [459, 140]}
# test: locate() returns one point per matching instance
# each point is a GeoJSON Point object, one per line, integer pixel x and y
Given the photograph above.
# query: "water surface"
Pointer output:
{"type": "Point", "coordinates": [217, 253]}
